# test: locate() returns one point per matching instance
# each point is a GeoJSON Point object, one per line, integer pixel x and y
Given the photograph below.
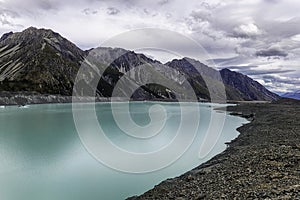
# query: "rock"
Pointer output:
{"type": "Point", "coordinates": [200, 196]}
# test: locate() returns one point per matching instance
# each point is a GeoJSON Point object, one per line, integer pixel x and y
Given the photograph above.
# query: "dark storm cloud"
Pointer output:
{"type": "Point", "coordinates": [271, 52]}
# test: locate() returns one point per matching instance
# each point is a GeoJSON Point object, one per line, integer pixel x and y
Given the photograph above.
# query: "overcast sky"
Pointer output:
{"type": "Point", "coordinates": [260, 38]}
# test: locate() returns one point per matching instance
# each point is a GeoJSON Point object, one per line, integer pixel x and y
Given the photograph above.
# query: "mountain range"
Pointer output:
{"type": "Point", "coordinates": [292, 95]}
{"type": "Point", "coordinates": [43, 62]}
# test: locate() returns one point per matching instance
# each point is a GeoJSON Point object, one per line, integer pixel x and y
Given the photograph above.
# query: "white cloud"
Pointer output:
{"type": "Point", "coordinates": [231, 29]}
{"type": "Point", "coordinates": [247, 30]}
{"type": "Point", "coordinates": [296, 38]}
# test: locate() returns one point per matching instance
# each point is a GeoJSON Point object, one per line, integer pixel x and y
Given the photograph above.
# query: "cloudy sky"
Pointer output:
{"type": "Point", "coordinates": [260, 38]}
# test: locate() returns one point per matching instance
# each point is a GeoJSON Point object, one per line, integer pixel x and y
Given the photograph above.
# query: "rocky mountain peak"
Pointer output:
{"type": "Point", "coordinates": [38, 60]}
{"type": "Point", "coordinates": [41, 60]}
{"type": "Point", "coordinates": [27, 36]}
{"type": "Point", "coordinates": [39, 39]}
{"type": "Point", "coordinates": [6, 35]}
{"type": "Point", "coordinates": [192, 67]}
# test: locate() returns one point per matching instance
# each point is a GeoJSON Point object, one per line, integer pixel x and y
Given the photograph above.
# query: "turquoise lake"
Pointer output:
{"type": "Point", "coordinates": [43, 158]}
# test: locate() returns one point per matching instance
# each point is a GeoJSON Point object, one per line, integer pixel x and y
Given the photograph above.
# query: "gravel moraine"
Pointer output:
{"type": "Point", "coordinates": [262, 163]}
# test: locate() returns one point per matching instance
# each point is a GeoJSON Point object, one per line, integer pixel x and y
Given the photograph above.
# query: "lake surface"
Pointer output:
{"type": "Point", "coordinates": [42, 156]}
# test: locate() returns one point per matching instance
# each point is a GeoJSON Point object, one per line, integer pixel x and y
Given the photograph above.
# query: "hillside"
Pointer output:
{"type": "Point", "coordinates": [41, 61]}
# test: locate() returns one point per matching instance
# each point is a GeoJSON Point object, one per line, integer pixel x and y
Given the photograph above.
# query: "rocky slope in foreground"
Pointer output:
{"type": "Point", "coordinates": [262, 163]}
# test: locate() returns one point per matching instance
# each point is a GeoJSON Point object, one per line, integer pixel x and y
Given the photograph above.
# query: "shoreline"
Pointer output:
{"type": "Point", "coordinates": [22, 99]}
{"type": "Point", "coordinates": [262, 162]}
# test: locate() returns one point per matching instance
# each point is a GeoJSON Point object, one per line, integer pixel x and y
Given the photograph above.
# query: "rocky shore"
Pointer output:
{"type": "Point", "coordinates": [27, 98]}
{"type": "Point", "coordinates": [262, 163]}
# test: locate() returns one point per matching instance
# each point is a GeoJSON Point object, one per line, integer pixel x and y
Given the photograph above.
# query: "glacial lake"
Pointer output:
{"type": "Point", "coordinates": [42, 156]}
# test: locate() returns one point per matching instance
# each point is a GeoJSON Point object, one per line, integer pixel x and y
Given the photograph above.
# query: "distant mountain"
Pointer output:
{"type": "Point", "coordinates": [42, 61]}
{"type": "Point", "coordinates": [292, 95]}
{"type": "Point", "coordinates": [237, 85]}
{"type": "Point", "coordinates": [248, 88]}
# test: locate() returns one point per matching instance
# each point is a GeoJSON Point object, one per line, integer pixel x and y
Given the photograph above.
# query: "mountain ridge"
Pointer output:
{"type": "Point", "coordinates": [292, 95]}
{"type": "Point", "coordinates": [38, 60]}
{"type": "Point", "coordinates": [42, 61]}
{"type": "Point", "coordinates": [250, 89]}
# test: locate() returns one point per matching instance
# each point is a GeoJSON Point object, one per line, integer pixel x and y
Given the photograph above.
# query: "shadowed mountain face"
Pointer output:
{"type": "Point", "coordinates": [42, 61]}
{"type": "Point", "coordinates": [249, 89]}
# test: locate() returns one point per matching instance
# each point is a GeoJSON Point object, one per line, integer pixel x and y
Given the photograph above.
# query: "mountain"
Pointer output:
{"type": "Point", "coordinates": [43, 62]}
{"type": "Point", "coordinates": [237, 85]}
{"type": "Point", "coordinates": [38, 60]}
{"type": "Point", "coordinates": [131, 71]}
{"type": "Point", "coordinates": [191, 68]}
{"type": "Point", "coordinates": [292, 95]}
{"type": "Point", "coordinates": [248, 88]}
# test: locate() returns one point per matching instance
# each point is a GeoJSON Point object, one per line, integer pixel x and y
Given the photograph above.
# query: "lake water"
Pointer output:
{"type": "Point", "coordinates": [42, 156]}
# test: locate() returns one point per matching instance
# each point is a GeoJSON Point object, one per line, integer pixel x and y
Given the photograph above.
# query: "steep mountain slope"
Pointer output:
{"type": "Point", "coordinates": [41, 61]}
{"type": "Point", "coordinates": [237, 86]}
{"type": "Point", "coordinates": [292, 95]}
{"type": "Point", "coordinates": [142, 73]}
{"type": "Point", "coordinates": [38, 60]}
{"type": "Point", "coordinates": [249, 89]}
{"type": "Point", "coordinates": [191, 69]}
